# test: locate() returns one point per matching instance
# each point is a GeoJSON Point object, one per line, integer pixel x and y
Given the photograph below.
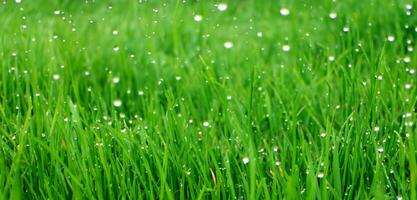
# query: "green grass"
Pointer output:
{"type": "Point", "coordinates": [311, 127]}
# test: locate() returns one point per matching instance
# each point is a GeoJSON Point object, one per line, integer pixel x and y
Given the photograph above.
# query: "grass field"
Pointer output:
{"type": "Point", "coordinates": [187, 99]}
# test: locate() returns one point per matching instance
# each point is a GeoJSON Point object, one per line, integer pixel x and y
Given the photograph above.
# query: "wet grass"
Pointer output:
{"type": "Point", "coordinates": [138, 100]}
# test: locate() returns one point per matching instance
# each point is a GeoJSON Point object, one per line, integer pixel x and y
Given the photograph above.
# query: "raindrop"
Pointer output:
{"type": "Point", "coordinates": [228, 45]}
{"type": "Point", "coordinates": [198, 18]}
{"type": "Point", "coordinates": [222, 7]}
{"type": "Point", "coordinates": [286, 47]}
{"type": "Point", "coordinates": [391, 38]}
{"type": "Point", "coordinates": [284, 11]}
{"type": "Point", "coordinates": [407, 86]}
{"type": "Point", "coordinates": [407, 59]}
{"type": "Point", "coordinates": [407, 115]}
{"type": "Point", "coordinates": [245, 160]}
{"type": "Point", "coordinates": [380, 149]}
{"type": "Point", "coordinates": [122, 115]}
{"type": "Point", "coordinates": [320, 175]}
{"type": "Point", "coordinates": [333, 15]}
{"type": "Point", "coordinates": [116, 80]}
{"type": "Point", "coordinates": [55, 77]}
{"type": "Point", "coordinates": [117, 103]}
{"type": "Point", "coordinates": [408, 6]}
{"type": "Point", "coordinates": [206, 124]}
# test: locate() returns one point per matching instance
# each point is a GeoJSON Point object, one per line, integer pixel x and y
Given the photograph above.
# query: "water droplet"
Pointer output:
{"type": "Point", "coordinates": [228, 45]}
{"type": "Point", "coordinates": [222, 7]}
{"type": "Point", "coordinates": [408, 6]}
{"type": "Point", "coordinates": [140, 93]}
{"type": "Point", "coordinates": [259, 34]}
{"type": "Point", "coordinates": [391, 38]}
{"type": "Point", "coordinates": [206, 124]}
{"type": "Point", "coordinates": [407, 86]}
{"type": "Point", "coordinates": [229, 97]}
{"type": "Point", "coordinates": [277, 163]}
{"type": "Point", "coordinates": [320, 175]}
{"type": "Point", "coordinates": [331, 58]}
{"type": "Point", "coordinates": [18, 1]}
{"type": "Point", "coordinates": [117, 103]}
{"type": "Point", "coordinates": [323, 134]}
{"type": "Point", "coordinates": [380, 149]}
{"type": "Point", "coordinates": [333, 15]}
{"type": "Point", "coordinates": [286, 47]}
{"type": "Point", "coordinates": [245, 160]}
{"type": "Point", "coordinates": [345, 29]}
{"type": "Point", "coordinates": [116, 80]}
{"type": "Point", "coordinates": [376, 128]}
{"type": "Point", "coordinates": [379, 77]}
{"type": "Point", "coordinates": [284, 11]}
{"type": "Point", "coordinates": [122, 115]}
{"type": "Point", "coordinates": [409, 124]}
{"type": "Point", "coordinates": [115, 32]}
{"type": "Point", "coordinates": [198, 18]}
{"type": "Point", "coordinates": [407, 115]}
{"type": "Point", "coordinates": [116, 48]}
{"type": "Point", "coordinates": [55, 77]}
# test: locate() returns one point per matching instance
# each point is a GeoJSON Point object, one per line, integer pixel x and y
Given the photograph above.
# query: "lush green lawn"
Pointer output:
{"type": "Point", "coordinates": [186, 99]}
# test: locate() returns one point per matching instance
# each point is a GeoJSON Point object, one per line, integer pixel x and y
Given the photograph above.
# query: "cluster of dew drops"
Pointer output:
{"type": "Point", "coordinates": [407, 86]}
{"type": "Point", "coordinates": [284, 12]}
